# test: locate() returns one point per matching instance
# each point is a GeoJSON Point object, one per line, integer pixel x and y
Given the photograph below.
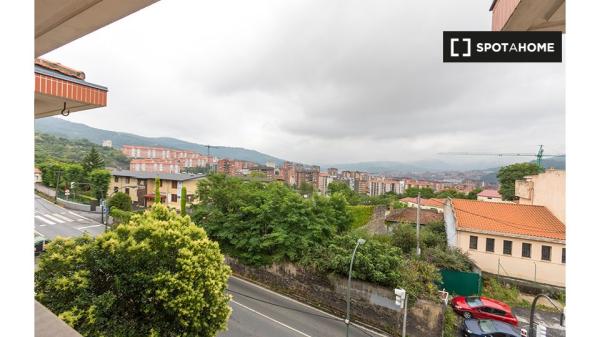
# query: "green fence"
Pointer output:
{"type": "Point", "coordinates": [460, 283]}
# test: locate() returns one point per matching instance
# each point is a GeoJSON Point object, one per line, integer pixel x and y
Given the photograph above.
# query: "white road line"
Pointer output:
{"type": "Point", "coordinates": [45, 220]}
{"type": "Point", "coordinates": [272, 319]}
{"type": "Point", "coordinates": [53, 218]}
{"type": "Point", "coordinates": [63, 217]}
{"type": "Point", "coordinates": [77, 215]}
{"type": "Point", "coordinates": [92, 226]}
{"type": "Point", "coordinates": [43, 225]}
{"type": "Point", "coordinates": [306, 305]}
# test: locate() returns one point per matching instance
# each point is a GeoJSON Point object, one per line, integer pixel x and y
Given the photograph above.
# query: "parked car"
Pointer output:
{"type": "Point", "coordinates": [483, 308]}
{"type": "Point", "coordinates": [39, 243]}
{"type": "Point", "coordinates": [490, 328]}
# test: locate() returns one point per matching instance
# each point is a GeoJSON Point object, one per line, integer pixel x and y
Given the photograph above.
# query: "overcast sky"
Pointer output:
{"type": "Point", "coordinates": [316, 81]}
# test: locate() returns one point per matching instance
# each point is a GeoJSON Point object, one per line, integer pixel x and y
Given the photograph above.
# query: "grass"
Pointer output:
{"type": "Point", "coordinates": [361, 214]}
{"type": "Point", "coordinates": [506, 293]}
{"type": "Point", "coordinates": [450, 322]}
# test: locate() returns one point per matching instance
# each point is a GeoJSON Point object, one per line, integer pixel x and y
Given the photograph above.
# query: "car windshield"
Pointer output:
{"type": "Point", "coordinates": [474, 301]}
{"type": "Point", "coordinates": [487, 326]}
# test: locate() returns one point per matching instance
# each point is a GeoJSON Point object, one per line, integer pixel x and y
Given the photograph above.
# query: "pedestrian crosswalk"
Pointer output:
{"type": "Point", "coordinates": [58, 218]}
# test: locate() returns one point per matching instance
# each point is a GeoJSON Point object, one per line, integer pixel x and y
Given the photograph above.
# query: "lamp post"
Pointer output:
{"type": "Point", "coordinates": [347, 321]}
{"type": "Point", "coordinates": [532, 327]}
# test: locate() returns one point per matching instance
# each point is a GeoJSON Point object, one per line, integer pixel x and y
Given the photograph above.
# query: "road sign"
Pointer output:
{"type": "Point", "coordinates": [67, 192]}
{"type": "Point", "coordinates": [400, 296]}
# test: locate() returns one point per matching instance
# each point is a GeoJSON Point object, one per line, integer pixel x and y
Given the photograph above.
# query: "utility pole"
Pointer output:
{"type": "Point", "coordinates": [57, 182]}
{"type": "Point", "coordinates": [418, 222]}
{"type": "Point", "coordinates": [405, 314]}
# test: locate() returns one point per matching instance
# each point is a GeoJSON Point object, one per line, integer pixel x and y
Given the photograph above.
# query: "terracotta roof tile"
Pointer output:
{"type": "Point", "coordinates": [489, 194]}
{"type": "Point", "coordinates": [435, 202]}
{"type": "Point", "coordinates": [508, 218]}
{"type": "Point", "coordinates": [60, 68]}
{"type": "Point", "coordinates": [409, 215]}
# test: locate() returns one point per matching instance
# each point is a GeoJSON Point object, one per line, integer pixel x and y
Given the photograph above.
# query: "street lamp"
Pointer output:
{"type": "Point", "coordinates": [347, 321]}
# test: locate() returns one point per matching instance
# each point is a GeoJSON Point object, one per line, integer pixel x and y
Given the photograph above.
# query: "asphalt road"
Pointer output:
{"type": "Point", "coordinates": [51, 220]}
{"type": "Point", "coordinates": [258, 312]}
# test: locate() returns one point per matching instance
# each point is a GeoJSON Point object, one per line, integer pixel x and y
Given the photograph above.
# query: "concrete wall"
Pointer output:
{"type": "Point", "coordinates": [544, 189]}
{"type": "Point", "coordinates": [371, 304]}
{"type": "Point", "coordinates": [45, 190]}
{"type": "Point", "coordinates": [76, 206]}
{"type": "Point", "coordinates": [515, 266]}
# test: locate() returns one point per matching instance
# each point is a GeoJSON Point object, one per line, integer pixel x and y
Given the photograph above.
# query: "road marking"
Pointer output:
{"type": "Point", "coordinates": [77, 215]}
{"type": "Point", "coordinates": [92, 226]}
{"type": "Point", "coordinates": [45, 220]}
{"type": "Point", "coordinates": [306, 305]}
{"type": "Point", "coordinates": [53, 218]}
{"type": "Point", "coordinates": [43, 225]}
{"type": "Point", "coordinates": [272, 319]}
{"type": "Point", "coordinates": [63, 217]}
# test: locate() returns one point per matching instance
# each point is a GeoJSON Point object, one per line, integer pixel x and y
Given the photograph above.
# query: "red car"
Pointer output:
{"type": "Point", "coordinates": [483, 308]}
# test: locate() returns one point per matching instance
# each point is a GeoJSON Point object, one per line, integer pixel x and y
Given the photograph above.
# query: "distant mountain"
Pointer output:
{"type": "Point", "coordinates": [70, 130]}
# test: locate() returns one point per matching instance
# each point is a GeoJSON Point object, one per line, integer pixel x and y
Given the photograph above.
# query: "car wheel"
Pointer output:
{"type": "Point", "coordinates": [467, 315]}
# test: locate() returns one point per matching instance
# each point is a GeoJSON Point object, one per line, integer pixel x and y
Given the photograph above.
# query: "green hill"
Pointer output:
{"type": "Point", "coordinates": [62, 128]}
{"type": "Point", "coordinates": [62, 149]}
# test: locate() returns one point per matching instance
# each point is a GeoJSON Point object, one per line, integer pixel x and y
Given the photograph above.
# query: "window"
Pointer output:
{"type": "Point", "coordinates": [546, 253]}
{"type": "Point", "coordinates": [489, 245]}
{"type": "Point", "coordinates": [161, 183]}
{"type": "Point", "coordinates": [116, 179]}
{"type": "Point", "coordinates": [127, 179]}
{"type": "Point", "coordinates": [127, 190]}
{"type": "Point", "coordinates": [174, 184]}
{"type": "Point", "coordinates": [115, 189]}
{"type": "Point", "coordinates": [564, 255]}
{"type": "Point", "coordinates": [526, 250]}
{"type": "Point", "coordinates": [473, 242]}
{"type": "Point", "coordinates": [507, 248]}
{"type": "Point", "coordinates": [174, 197]}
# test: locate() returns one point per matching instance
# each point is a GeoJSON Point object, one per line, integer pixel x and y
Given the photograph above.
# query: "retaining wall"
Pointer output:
{"type": "Point", "coordinates": [371, 304]}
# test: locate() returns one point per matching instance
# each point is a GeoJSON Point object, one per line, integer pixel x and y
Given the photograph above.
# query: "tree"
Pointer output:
{"type": "Point", "coordinates": [507, 176]}
{"type": "Point", "coordinates": [157, 275]}
{"type": "Point", "coordinates": [183, 200]}
{"type": "Point", "coordinates": [426, 192]}
{"type": "Point", "coordinates": [473, 194]}
{"type": "Point", "coordinates": [92, 161]}
{"type": "Point", "coordinates": [405, 238]}
{"type": "Point", "coordinates": [99, 180]}
{"type": "Point", "coordinates": [337, 186]}
{"type": "Point", "coordinates": [121, 201]}
{"type": "Point", "coordinates": [157, 190]}
{"type": "Point", "coordinates": [306, 188]}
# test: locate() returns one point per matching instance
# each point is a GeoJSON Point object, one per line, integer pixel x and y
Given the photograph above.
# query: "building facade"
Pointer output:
{"type": "Point", "coordinates": [518, 241]}
{"type": "Point", "coordinates": [140, 186]}
{"type": "Point", "coordinates": [544, 189]}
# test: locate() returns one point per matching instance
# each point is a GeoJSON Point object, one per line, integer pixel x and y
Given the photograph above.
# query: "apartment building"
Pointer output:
{"type": "Point", "coordinates": [268, 171]}
{"type": "Point", "coordinates": [324, 180]}
{"type": "Point", "coordinates": [140, 186]}
{"type": "Point", "coordinates": [524, 242]}
{"type": "Point", "coordinates": [155, 165]}
{"type": "Point", "coordinates": [382, 185]}
{"type": "Point", "coordinates": [234, 167]}
{"type": "Point", "coordinates": [544, 189]}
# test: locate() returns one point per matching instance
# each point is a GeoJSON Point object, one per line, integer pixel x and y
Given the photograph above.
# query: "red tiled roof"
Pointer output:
{"type": "Point", "coordinates": [409, 215]}
{"type": "Point", "coordinates": [489, 194]}
{"type": "Point", "coordinates": [60, 68]}
{"type": "Point", "coordinates": [507, 218]}
{"type": "Point", "coordinates": [434, 202]}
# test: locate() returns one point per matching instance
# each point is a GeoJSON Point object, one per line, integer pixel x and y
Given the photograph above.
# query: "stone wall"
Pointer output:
{"type": "Point", "coordinates": [371, 304]}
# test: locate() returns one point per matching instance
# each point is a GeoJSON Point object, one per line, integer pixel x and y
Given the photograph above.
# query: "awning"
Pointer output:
{"type": "Point", "coordinates": [63, 90]}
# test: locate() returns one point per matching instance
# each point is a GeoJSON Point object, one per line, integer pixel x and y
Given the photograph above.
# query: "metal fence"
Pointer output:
{"type": "Point", "coordinates": [460, 283]}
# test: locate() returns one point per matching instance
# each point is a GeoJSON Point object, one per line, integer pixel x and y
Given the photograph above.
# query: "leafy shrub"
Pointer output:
{"type": "Point", "coordinates": [361, 214]}
{"type": "Point", "coordinates": [376, 262]}
{"type": "Point", "coordinates": [506, 293]}
{"type": "Point", "coordinates": [158, 275]}
{"type": "Point", "coordinates": [120, 216]}
{"type": "Point", "coordinates": [121, 201]}
{"type": "Point", "coordinates": [447, 258]}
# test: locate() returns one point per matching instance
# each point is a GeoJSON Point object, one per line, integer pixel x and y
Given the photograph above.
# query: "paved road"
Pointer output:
{"type": "Point", "coordinates": [551, 320]}
{"type": "Point", "coordinates": [51, 221]}
{"type": "Point", "coordinates": [281, 316]}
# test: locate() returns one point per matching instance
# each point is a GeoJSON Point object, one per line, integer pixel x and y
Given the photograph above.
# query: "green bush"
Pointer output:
{"type": "Point", "coordinates": [447, 258]}
{"type": "Point", "coordinates": [450, 322]}
{"type": "Point", "coordinates": [506, 293]}
{"type": "Point", "coordinates": [376, 262]}
{"type": "Point", "coordinates": [361, 214]}
{"type": "Point", "coordinates": [120, 216]}
{"type": "Point", "coordinates": [121, 201]}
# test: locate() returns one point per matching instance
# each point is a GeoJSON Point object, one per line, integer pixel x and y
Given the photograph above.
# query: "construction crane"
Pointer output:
{"type": "Point", "coordinates": [539, 155]}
